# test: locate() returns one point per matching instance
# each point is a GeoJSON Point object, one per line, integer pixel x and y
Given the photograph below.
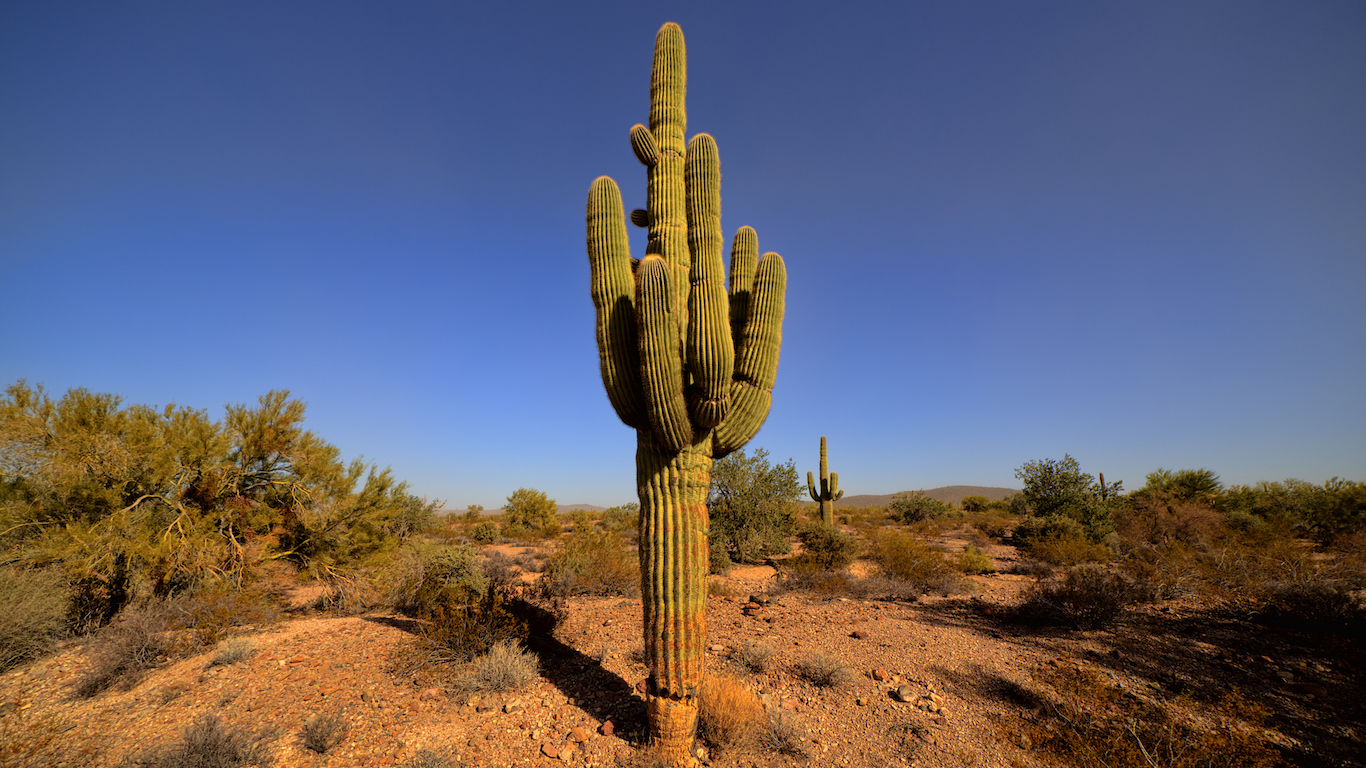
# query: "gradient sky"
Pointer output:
{"type": "Point", "coordinates": [1131, 232]}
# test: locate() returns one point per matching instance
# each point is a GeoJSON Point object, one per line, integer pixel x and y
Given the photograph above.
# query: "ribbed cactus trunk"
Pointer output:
{"type": "Point", "coordinates": [686, 363]}
{"type": "Point", "coordinates": [829, 492]}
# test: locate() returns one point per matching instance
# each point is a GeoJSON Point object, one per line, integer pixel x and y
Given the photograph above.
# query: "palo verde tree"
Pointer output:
{"type": "Point", "coordinates": [686, 366]}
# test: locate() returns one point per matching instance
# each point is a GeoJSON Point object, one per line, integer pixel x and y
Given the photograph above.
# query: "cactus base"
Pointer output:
{"type": "Point", "coordinates": [672, 727]}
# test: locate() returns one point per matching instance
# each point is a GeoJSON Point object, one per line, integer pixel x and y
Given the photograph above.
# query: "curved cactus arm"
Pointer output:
{"type": "Point", "coordinates": [613, 289]}
{"type": "Point", "coordinates": [835, 492]}
{"type": "Point", "coordinates": [661, 369]}
{"type": "Point", "coordinates": [744, 259]}
{"type": "Point", "coordinates": [811, 487]}
{"type": "Point", "coordinates": [711, 356]}
{"type": "Point", "coordinates": [756, 359]}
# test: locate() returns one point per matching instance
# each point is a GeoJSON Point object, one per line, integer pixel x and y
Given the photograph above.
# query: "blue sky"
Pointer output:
{"type": "Point", "coordinates": [1131, 232]}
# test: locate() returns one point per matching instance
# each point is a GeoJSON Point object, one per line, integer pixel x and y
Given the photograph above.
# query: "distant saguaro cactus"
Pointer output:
{"type": "Point", "coordinates": [830, 489]}
{"type": "Point", "coordinates": [689, 369]}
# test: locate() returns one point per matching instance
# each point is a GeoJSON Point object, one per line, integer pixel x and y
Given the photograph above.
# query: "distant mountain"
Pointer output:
{"type": "Point", "coordinates": [949, 494]}
{"type": "Point", "coordinates": [558, 507]}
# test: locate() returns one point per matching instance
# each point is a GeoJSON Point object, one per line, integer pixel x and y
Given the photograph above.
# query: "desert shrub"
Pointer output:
{"type": "Point", "coordinates": [719, 588]}
{"type": "Point", "coordinates": [484, 532]}
{"type": "Point", "coordinates": [530, 509]}
{"type": "Point", "coordinates": [33, 606]}
{"type": "Point", "coordinates": [506, 666]}
{"type": "Point", "coordinates": [824, 671]}
{"type": "Point", "coordinates": [348, 596]}
{"type": "Point", "coordinates": [1057, 539]}
{"type": "Point", "coordinates": [802, 574]}
{"type": "Point", "coordinates": [499, 569]}
{"type": "Point", "coordinates": [592, 563]}
{"type": "Point", "coordinates": [461, 614]}
{"type": "Point", "coordinates": [904, 557]}
{"type": "Point", "coordinates": [1313, 600]}
{"type": "Point", "coordinates": [211, 612]}
{"type": "Point", "coordinates": [972, 560]}
{"type": "Point", "coordinates": [754, 655]}
{"type": "Point", "coordinates": [783, 735]}
{"type": "Point", "coordinates": [827, 546]}
{"type": "Point", "coordinates": [731, 719]}
{"type": "Point", "coordinates": [1070, 551]}
{"type": "Point", "coordinates": [430, 574]}
{"type": "Point", "coordinates": [232, 652]}
{"type": "Point", "coordinates": [133, 643]}
{"type": "Point", "coordinates": [974, 503]}
{"type": "Point", "coordinates": [1035, 569]}
{"type": "Point", "coordinates": [915, 507]}
{"type": "Point", "coordinates": [1089, 597]}
{"type": "Point", "coordinates": [720, 563]}
{"type": "Point", "coordinates": [323, 732]}
{"type": "Point", "coordinates": [624, 518]}
{"type": "Point", "coordinates": [1156, 518]}
{"type": "Point", "coordinates": [752, 505]}
{"type": "Point", "coordinates": [1088, 722]}
{"type": "Point", "coordinates": [206, 743]}
{"type": "Point", "coordinates": [425, 758]}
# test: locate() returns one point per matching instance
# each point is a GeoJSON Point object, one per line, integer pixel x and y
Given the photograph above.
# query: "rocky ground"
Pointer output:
{"type": "Point", "coordinates": [936, 682]}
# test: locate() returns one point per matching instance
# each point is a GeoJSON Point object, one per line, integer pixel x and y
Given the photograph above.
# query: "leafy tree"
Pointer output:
{"type": "Point", "coordinates": [1184, 485]}
{"type": "Point", "coordinates": [1055, 487]}
{"type": "Point", "coordinates": [473, 512]}
{"type": "Point", "coordinates": [131, 499]}
{"type": "Point", "coordinates": [753, 505]}
{"type": "Point", "coordinates": [974, 503]}
{"type": "Point", "coordinates": [530, 509]}
{"type": "Point", "coordinates": [915, 506]}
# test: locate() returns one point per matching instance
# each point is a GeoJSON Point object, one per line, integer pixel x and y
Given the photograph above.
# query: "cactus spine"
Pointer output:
{"type": "Point", "coordinates": [688, 365]}
{"type": "Point", "coordinates": [830, 489]}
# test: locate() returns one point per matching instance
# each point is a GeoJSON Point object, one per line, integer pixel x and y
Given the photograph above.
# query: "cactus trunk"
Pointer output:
{"type": "Point", "coordinates": [673, 573]}
{"type": "Point", "coordinates": [687, 363]}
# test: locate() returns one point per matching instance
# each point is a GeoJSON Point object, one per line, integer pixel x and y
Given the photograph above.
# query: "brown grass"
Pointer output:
{"type": "Point", "coordinates": [731, 718]}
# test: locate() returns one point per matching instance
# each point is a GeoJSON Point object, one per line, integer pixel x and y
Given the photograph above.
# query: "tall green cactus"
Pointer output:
{"type": "Point", "coordinates": [830, 489]}
{"type": "Point", "coordinates": [688, 367]}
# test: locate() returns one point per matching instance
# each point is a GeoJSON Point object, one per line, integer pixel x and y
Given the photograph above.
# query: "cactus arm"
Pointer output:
{"type": "Point", "coordinates": [756, 360]}
{"type": "Point", "coordinates": [835, 492]}
{"type": "Point", "coordinates": [661, 370]}
{"type": "Point", "coordinates": [613, 289]}
{"type": "Point", "coordinates": [744, 258]}
{"type": "Point", "coordinates": [811, 487]}
{"type": "Point", "coordinates": [665, 189]}
{"type": "Point", "coordinates": [644, 145]}
{"type": "Point", "coordinates": [711, 357]}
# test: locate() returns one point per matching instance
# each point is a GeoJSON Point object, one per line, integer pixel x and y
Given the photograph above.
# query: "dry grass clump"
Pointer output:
{"type": "Point", "coordinates": [33, 606]}
{"type": "Point", "coordinates": [824, 671]}
{"type": "Point", "coordinates": [135, 642]}
{"type": "Point", "coordinates": [731, 719]}
{"type": "Point", "coordinates": [1090, 596]}
{"type": "Point", "coordinates": [783, 735]}
{"type": "Point", "coordinates": [592, 563]}
{"type": "Point", "coordinates": [206, 743]}
{"type": "Point", "coordinates": [755, 656]}
{"type": "Point", "coordinates": [721, 588]}
{"type": "Point", "coordinates": [323, 732]}
{"type": "Point", "coordinates": [505, 667]}
{"type": "Point", "coordinates": [1090, 723]}
{"type": "Point", "coordinates": [907, 558]}
{"type": "Point", "coordinates": [232, 652]}
{"type": "Point", "coordinates": [425, 758]}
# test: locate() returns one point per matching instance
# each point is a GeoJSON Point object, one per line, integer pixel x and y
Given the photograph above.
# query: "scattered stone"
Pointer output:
{"type": "Point", "coordinates": [718, 648]}
{"type": "Point", "coordinates": [549, 751]}
{"type": "Point", "coordinates": [643, 686]}
{"type": "Point", "coordinates": [431, 694]}
{"type": "Point", "coordinates": [881, 674]}
{"type": "Point", "coordinates": [904, 694]}
{"type": "Point", "coordinates": [791, 704]}
{"type": "Point", "coordinates": [513, 706]}
{"type": "Point", "coordinates": [859, 634]}
{"type": "Point", "coordinates": [607, 729]}
{"type": "Point", "coordinates": [862, 702]}
{"type": "Point", "coordinates": [761, 599]}
{"type": "Point", "coordinates": [701, 753]}
{"type": "Point", "coordinates": [1285, 675]}
{"type": "Point", "coordinates": [578, 735]}
{"type": "Point", "coordinates": [566, 752]}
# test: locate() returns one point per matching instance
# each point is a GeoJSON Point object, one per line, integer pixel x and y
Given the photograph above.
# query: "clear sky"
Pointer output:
{"type": "Point", "coordinates": [1132, 232]}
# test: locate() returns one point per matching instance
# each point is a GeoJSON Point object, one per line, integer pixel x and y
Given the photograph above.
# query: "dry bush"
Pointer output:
{"type": "Point", "coordinates": [133, 643]}
{"type": "Point", "coordinates": [1090, 596]}
{"type": "Point", "coordinates": [212, 612]}
{"type": "Point", "coordinates": [824, 671]}
{"type": "Point", "coordinates": [803, 575]}
{"type": "Point", "coordinates": [425, 758]}
{"type": "Point", "coordinates": [504, 667]}
{"type": "Point", "coordinates": [1159, 519]}
{"type": "Point", "coordinates": [731, 719]}
{"type": "Point", "coordinates": [323, 732]}
{"type": "Point", "coordinates": [902, 556]}
{"type": "Point", "coordinates": [1035, 569]}
{"type": "Point", "coordinates": [973, 561]}
{"type": "Point", "coordinates": [232, 652]}
{"type": "Point", "coordinates": [783, 735]}
{"type": "Point", "coordinates": [1072, 550]}
{"type": "Point", "coordinates": [33, 606]}
{"type": "Point", "coordinates": [206, 743]}
{"type": "Point", "coordinates": [592, 563]}
{"type": "Point", "coordinates": [500, 569]}
{"type": "Point", "coordinates": [1090, 723]}
{"type": "Point", "coordinates": [827, 546]}
{"type": "Point", "coordinates": [720, 588]}
{"type": "Point", "coordinates": [1317, 601]}
{"type": "Point", "coordinates": [754, 655]}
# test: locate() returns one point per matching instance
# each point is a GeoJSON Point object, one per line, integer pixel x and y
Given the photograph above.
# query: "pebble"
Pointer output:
{"type": "Point", "coordinates": [859, 634]}
{"type": "Point", "coordinates": [905, 694]}
{"type": "Point", "coordinates": [607, 729]}
{"type": "Point", "coordinates": [881, 674]}
{"type": "Point", "coordinates": [578, 735]}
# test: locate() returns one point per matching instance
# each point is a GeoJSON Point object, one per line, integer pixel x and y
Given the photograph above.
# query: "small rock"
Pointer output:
{"type": "Point", "coordinates": [1285, 675]}
{"type": "Point", "coordinates": [904, 694]}
{"type": "Point", "coordinates": [512, 706]}
{"type": "Point", "coordinates": [761, 599]}
{"type": "Point", "coordinates": [718, 648]}
{"type": "Point", "coordinates": [549, 751]}
{"type": "Point", "coordinates": [791, 704]}
{"type": "Point", "coordinates": [643, 686]}
{"type": "Point", "coordinates": [859, 634]}
{"type": "Point", "coordinates": [566, 752]}
{"type": "Point", "coordinates": [431, 694]}
{"type": "Point", "coordinates": [881, 674]}
{"type": "Point", "coordinates": [700, 753]}
{"type": "Point", "coordinates": [862, 702]}
{"type": "Point", "coordinates": [607, 729]}
{"type": "Point", "coordinates": [578, 735]}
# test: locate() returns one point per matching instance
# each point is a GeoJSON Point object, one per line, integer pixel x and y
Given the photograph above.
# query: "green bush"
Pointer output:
{"type": "Point", "coordinates": [33, 606]}
{"type": "Point", "coordinates": [916, 507]}
{"type": "Point", "coordinates": [623, 519]}
{"type": "Point", "coordinates": [720, 558]}
{"type": "Point", "coordinates": [903, 557]}
{"type": "Point", "coordinates": [973, 561]}
{"type": "Point", "coordinates": [974, 503]}
{"type": "Point", "coordinates": [752, 505]}
{"type": "Point", "coordinates": [460, 612]}
{"type": "Point", "coordinates": [485, 532]}
{"type": "Point", "coordinates": [530, 509]}
{"type": "Point", "coordinates": [592, 563]}
{"type": "Point", "coordinates": [827, 546]}
{"type": "Point", "coordinates": [1058, 540]}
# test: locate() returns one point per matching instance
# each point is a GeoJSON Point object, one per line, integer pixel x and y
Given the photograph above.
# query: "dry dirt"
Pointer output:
{"type": "Point", "coordinates": [960, 665]}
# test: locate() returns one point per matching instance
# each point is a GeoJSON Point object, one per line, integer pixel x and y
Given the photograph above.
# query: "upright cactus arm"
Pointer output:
{"type": "Point", "coordinates": [613, 290]}
{"type": "Point", "coordinates": [711, 356]}
{"type": "Point", "coordinates": [661, 369]}
{"type": "Point", "coordinates": [756, 359]}
{"type": "Point", "coordinates": [811, 487]}
{"type": "Point", "coordinates": [835, 493]}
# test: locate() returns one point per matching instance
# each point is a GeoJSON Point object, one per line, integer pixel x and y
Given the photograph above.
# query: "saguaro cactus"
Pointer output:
{"type": "Point", "coordinates": [689, 368]}
{"type": "Point", "coordinates": [830, 489]}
